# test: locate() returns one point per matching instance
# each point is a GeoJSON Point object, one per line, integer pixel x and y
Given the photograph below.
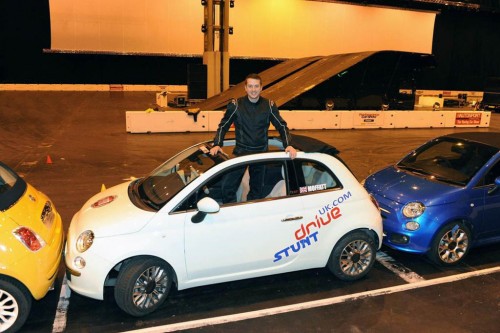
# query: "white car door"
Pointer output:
{"type": "Point", "coordinates": [242, 240]}
{"type": "Point", "coordinates": [247, 239]}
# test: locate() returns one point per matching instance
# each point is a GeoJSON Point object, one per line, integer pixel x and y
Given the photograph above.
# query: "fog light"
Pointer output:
{"type": "Point", "coordinates": [412, 225]}
{"type": "Point", "coordinates": [399, 239]}
{"type": "Point", "coordinates": [79, 262]}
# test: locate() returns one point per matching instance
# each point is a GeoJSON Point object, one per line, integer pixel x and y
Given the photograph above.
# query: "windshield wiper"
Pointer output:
{"type": "Point", "coordinates": [150, 204]}
{"type": "Point", "coordinates": [413, 169]}
{"type": "Point", "coordinates": [447, 180]}
{"type": "Point", "coordinates": [430, 175]}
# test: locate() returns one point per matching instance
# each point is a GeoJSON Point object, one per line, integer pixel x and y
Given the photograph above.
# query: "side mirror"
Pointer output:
{"type": "Point", "coordinates": [205, 206]}
{"type": "Point", "coordinates": [497, 185]}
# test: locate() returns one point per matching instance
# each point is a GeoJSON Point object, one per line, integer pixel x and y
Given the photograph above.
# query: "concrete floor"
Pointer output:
{"type": "Point", "coordinates": [84, 135]}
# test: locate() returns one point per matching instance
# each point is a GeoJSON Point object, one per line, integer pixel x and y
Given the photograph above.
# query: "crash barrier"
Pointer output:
{"type": "Point", "coordinates": [151, 121]}
{"type": "Point", "coordinates": [164, 88]}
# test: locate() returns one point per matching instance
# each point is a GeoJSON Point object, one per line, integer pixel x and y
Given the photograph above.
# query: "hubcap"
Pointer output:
{"type": "Point", "coordinates": [9, 310]}
{"type": "Point", "coordinates": [150, 287]}
{"type": "Point", "coordinates": [355, 257]}
{"type": "Point", "coordinates": [453, 245]}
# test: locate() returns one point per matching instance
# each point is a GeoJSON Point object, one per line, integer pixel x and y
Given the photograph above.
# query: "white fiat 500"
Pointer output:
{"type": "Point", "coordinates": [185, 224]}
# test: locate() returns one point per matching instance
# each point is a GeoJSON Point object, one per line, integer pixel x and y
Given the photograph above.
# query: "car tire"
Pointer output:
{"type": "Point", "coordinates": [15, 305]}
{"type": "Point", "coordinates": [142, 285]}
{"type": "Point", "coordinates": [353, 256]}
{"type": "Point", "coordinates": [451, 244]}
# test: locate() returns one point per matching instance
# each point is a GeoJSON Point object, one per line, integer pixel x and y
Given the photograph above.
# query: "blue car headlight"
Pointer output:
{"type": "Point", "coordinates": [413, 209]}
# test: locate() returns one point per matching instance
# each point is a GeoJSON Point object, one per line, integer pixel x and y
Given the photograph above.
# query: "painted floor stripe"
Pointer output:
{"type": "Point", "coordinates": [313, 304]}
{"type": "Point", "coordinates": [62, 308]}
{"type": "Point", "coordinates": [396, 267]}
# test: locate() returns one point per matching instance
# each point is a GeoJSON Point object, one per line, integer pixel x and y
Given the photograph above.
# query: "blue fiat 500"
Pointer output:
{"type": "Point", "coordinates": [443, 198]}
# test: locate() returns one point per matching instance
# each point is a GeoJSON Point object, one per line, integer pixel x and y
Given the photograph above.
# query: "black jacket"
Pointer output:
{"type": "Point", "coordinates": [251, 122]}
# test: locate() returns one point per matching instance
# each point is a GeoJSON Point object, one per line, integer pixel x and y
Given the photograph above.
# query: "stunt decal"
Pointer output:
{"type": "Point", "coordinates": [305, 235]}
{"type": "Point", "coordinates": [297, 246]}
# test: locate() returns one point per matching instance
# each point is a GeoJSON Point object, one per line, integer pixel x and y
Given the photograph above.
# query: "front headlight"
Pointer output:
{"type": "Point", "coordinates": [84, 241]}
{"type": "Point", "coordinates": [413, 209]}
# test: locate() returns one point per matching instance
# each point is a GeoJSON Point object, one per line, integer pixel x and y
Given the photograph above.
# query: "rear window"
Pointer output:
{"type": "Point", "coordinates": [12, 187]}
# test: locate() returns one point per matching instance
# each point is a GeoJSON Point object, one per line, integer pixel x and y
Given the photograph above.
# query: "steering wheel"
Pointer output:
{"type": "Point", "coordinates": [443, 161]}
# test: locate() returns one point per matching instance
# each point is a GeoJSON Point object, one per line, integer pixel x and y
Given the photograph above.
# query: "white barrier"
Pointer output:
{"type": "Point", "coordinates": [91, 87]}
{"type": "Point", "coordinates": [207, 121]}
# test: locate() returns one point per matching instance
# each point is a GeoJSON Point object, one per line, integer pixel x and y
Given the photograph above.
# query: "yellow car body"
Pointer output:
{"type": "Point", "coordinates": [36, 270]}
{"type": "Point", "coordinates": [31, 243]}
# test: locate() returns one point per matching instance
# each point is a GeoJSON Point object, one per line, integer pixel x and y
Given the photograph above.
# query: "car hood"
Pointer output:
{"type": "Point", "coordinates": [402, 187]}
{"type": "Point", "coordinates": [118, 217]}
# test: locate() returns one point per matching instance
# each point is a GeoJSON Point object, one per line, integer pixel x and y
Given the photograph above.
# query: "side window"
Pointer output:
{"type": "Point", "coordinates": [243, 183]}
{"type": "Point", "coordinates": [492, 174]}
{"type": "Point", "coordinates": [218, 188]}
{"type": "Point", "coordinates": [254, 181]}
{"type": "Point", "coordinates": [311, 176]}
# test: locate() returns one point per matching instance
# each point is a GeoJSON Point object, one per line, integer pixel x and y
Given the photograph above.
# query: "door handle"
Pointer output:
{"type": "Point", "coordinates": [292, 218]}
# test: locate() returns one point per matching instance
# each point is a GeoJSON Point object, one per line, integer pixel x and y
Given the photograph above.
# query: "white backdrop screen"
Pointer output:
{"type": "Point", "coordinates": [262, 28]}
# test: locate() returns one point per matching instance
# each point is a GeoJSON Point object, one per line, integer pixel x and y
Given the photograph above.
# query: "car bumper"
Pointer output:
{"type": "Point", "coordinates": [38, 273]}
{"type": "Point", "coordinates": [89, 280]}
{"type": "Point", "coordinates": [397, 236]}
{"type": "Point", "coordinates": [403, 240]}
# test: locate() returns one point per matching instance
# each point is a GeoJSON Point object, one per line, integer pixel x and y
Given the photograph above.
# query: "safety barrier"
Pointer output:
{"type": "Point", "coordinates": [150, 121]}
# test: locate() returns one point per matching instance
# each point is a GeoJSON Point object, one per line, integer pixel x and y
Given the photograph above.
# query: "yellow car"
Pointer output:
{"type": "Point", "coordinates": [31, 243]}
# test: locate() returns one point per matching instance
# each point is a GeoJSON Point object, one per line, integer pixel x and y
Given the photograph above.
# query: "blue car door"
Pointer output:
{"type": "Point", "coordinates": [489, 228]}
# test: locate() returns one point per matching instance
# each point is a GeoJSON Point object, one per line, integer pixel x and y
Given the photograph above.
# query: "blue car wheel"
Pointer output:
{"type": "Point", "coordinates": [451, 244]}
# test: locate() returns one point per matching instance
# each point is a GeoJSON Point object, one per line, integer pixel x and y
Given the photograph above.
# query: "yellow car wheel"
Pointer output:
{"type": "Point", "coordinates": [15, 305]}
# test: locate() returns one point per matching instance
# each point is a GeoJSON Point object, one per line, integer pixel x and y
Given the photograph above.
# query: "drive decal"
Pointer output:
{"type": "Point", "coordinates": [307, 234]}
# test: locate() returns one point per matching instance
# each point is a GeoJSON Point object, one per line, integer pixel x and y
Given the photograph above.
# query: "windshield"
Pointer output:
{"type": "Point", "coordinates": [156, 189]}
{"type": "Point", "coordinates": [11, 187]}
{"type": "Point", "coordinates": [448, 160]}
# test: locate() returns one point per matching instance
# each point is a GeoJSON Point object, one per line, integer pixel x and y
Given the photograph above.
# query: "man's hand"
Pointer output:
{"type": "Point", "coordinates": [214, 150]}
{"type": "Point", "coordinates": [290, 150]}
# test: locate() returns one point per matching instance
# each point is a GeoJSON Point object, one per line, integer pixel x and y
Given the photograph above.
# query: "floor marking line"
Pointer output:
{"type": "Point", "coordinates": [59, 324]}
{"type": "Point", "coordinates": [396, 267]}
{"type": "Point", "coordinates": [313, 304]}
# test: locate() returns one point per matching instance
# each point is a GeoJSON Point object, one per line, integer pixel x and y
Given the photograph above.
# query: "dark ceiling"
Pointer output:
{"type": "Point", "coordinates": [485, 6]}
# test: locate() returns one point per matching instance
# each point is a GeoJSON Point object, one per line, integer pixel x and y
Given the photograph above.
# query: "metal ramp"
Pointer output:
{"type": "Point", "coordinates": [269, 76]}
{"type": "Point", "coordinates": [288, 79]}
{"type": "Point", "coordinates": [311, 76]}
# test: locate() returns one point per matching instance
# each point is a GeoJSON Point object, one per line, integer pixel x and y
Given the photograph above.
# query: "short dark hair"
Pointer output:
{"type": "Point", "coordinates": [253, 76]}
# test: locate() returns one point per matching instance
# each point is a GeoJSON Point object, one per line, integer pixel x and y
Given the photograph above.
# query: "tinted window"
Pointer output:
{"type": "Point", "coordinates": [11, 187]}
{"type": "Point", "coordinates": [494, 172]}
{"type": "Point", "coordinates": [280, 179]}
{"type": "Point", "coordinates": [310, 176]}
{"type": "Point", "coordinates": [448, 160]}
